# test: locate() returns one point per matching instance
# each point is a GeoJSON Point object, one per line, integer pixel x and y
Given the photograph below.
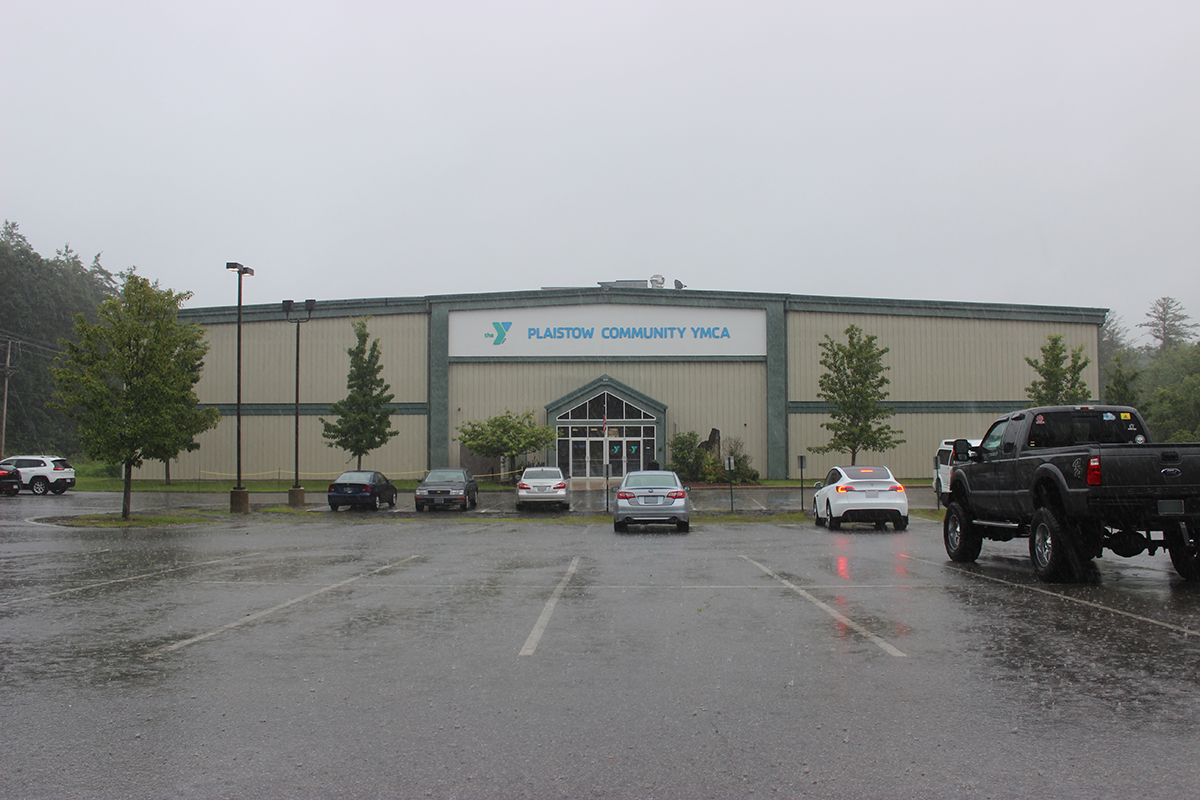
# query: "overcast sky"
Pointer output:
{"type": "Point", "coordinates": [1025, 152]}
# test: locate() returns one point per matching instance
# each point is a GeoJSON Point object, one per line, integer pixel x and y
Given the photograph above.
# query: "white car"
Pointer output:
{"type": "Point", "coordinates": [42, 474]}
{"type": "Point", "coordinates": [860, 494]}
{"type": "Point", "coordinates": [543, 485]}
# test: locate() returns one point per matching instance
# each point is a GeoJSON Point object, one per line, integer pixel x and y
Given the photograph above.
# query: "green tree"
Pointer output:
{"type": "Point", "coordinates": [688, 459]}
{"type": "Point", "coordinates": [1168, 324]}
{"type": "Point", "coordinates": [854, 386]}
{"type": "Point", "coordinates": [1172, 405]}
{"type": "Point", "coordinates": [364, 421]}
{"type": "Point", "coordinates": [37, 308]}
{"type": "Point", "coordinates": [1119, 384]}
{"type": "Point", "coordinates": [1060, 383]}
{"type": "Point", "coordinates": [129, 380]}
{"type": "Point", "coordinates": [506, 436]}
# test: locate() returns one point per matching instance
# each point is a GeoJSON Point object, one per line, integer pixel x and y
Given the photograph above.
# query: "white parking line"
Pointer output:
{"type": "Point", "coordinates": [1169, 626]}
{"type": "Point", "coordinates": [122, 580]}
{"type": "Point", "coordinates": [535, 635]}
{"type": "Point", "coordinates": [258, 615]}
{"type": "Point", "coordinates": [833, 612]}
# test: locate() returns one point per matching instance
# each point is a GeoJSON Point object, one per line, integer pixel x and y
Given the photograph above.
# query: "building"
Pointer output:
{"type": "Point", "coordinates": [618, 369]}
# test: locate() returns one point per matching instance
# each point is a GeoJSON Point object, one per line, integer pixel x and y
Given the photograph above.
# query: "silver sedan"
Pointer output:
{"type": "Point", "coordinates": [652, 497]}
{"type": "Point", "coordinates": [543, 485]}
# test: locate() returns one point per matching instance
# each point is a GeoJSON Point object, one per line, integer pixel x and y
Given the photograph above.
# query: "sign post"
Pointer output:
{"type": "Point", "coordinates": [729, 469]}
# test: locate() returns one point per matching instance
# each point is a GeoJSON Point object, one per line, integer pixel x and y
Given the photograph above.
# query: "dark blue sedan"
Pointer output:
{"type": "Point", "coordinates": [368, 489]}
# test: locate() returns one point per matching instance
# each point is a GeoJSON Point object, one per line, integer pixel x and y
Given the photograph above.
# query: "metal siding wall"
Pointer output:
{"type": "Point", "coordinates": [729, 396]}
{"type": "Point", "coordinates": [934, 358]}
{"type": "Point", "coordinates": [269, 376]}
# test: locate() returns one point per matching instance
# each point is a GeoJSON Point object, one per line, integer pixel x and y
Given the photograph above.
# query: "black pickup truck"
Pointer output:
{"type": "Point", "coordinates": [1075, 480]}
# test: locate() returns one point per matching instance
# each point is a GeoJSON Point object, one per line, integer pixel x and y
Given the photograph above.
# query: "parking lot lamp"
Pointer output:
{"type": "Point", "coordinates": [296, 493]}
{"type": "Point", "coordinates": [239, 497]}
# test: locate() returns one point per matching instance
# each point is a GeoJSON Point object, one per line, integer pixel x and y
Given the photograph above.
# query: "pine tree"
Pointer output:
{"type": "Point", "coordinates": [1060, 383]}
{"type": "Point", "coordinates": [364, 421]}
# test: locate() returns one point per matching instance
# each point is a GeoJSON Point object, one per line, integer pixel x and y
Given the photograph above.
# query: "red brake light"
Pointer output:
{"type": "Point", "coordinates": [1093, 471]}
{"type": "Point", "coordinates": [624, 495]}
{"type": "Point", "coordinates": [896, 488]}
{"type": "Point", "coordinates": [560, 485]}
{"type": "Point", "coordinates": [523, 485]}
{"type": "Point", "coordinates": [330, 489]}
{"type": "Point", "coordinates": [844, 489]}
{"type": "Point", "coordinates": [678, 494]}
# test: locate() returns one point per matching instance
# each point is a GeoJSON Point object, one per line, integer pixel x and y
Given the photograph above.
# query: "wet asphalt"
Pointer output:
{"type": "Point", "coordinates": [494, 654]}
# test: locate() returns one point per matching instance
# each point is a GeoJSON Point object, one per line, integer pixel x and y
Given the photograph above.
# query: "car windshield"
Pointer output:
{"type": "Point", "coordinates": [354, 477]}
{"type": "Point", "coordinates": [659, 480]}
{"type": "Point", "coordinates": [542, 474]}
{"type": "Point", "coordinates": [444, 476]}
{"type": "Point", "coordinates": [867, 473]}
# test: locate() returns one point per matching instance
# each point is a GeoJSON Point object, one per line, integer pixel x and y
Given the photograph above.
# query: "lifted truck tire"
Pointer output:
{"type": "Point", "coordinates": [1050, 547]}
{"type": "Point", "coordinates": [962, 542]}
{"type": "Point", "coordinates": [1185, 555]}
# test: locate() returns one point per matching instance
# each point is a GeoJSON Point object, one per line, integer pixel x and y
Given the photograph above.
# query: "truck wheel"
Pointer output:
{"type": "Point", "coordinates": [1185, 555]}
{"type": "Point", "coordinates": [817, 515]}
{"type": "Point", "coordinates": [962, 542]}
{"type": "Point", "coordinates": [1050, 547]}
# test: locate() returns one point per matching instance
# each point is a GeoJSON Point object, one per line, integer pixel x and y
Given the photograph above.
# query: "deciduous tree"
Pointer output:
{"type": "Point", "coordinates": [854, 385]}
{"type": "Point", "coordinates": [363, 419]}
{"type": "Point", "coordinates": [506, 436]}
{"type": "Point", "coordinates": [128, 382]}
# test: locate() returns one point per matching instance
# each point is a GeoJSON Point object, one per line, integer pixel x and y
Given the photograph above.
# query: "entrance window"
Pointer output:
{"type": "Point", "coordinates": [605, 431]}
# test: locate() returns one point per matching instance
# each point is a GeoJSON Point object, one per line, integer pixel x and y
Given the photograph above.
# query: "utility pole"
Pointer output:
{"type": "Point", "coordinates": [8, 370]}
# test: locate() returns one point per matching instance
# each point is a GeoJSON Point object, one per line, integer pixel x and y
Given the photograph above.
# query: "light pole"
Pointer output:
{"type": "Point", "coordinates": [296, 493]}
{"type": "Point", "coordinates": [239, 498]}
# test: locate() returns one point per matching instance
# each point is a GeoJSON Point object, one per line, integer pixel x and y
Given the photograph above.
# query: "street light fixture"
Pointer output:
{"type": "Point", "coordinates": [239, 498]}
{"type": "Point", "coordinates": [296, 493]}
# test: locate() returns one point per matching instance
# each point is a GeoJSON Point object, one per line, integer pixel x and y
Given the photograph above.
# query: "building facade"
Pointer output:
{"type": "Point", "coordinates": [617, 371]}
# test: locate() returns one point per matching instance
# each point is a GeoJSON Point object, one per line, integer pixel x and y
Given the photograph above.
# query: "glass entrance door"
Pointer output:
{"type": "Point", "coordinates": [604, 430]}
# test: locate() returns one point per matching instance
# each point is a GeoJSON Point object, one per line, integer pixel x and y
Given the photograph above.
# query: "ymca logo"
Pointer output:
{"type": "Point", "coordinates": [501, 332]}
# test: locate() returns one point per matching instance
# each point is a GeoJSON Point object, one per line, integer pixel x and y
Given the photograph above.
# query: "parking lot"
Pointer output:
{"type": "Point", "coordinates": [543, 655]}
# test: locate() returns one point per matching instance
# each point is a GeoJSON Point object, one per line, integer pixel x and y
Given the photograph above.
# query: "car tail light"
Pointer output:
{"type": "Point", "coordinates": [559, 485]}
{"type": "Point", "coordinates": [1093, 471]}
{"type": "Point", "coordinates": [678, 494]}
{"type": "Point", "coordinates": [896, 488]}
{"type": "Point", "coordinates": [523, 485]}
{"type": "Point", "coordinates": [844, 489]}
{"type": "Point", "coordinates": [331, 487]}
{"type": "Point", "coordinates": [625, 495]}
{"type": "Point", "coordinates": [57, 468]}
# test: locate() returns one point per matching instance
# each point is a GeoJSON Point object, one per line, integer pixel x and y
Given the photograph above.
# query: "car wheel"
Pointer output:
{"type": "Point", "coordinates": [334, 506]}
{"type": "Point", "coordinates": [373, 503]}
{"type": "Point", "coordinates": [817, 515]}
{"type": "Point", "coordinates": [474, 499]}
{"type": "Point", "coordinates": [12, 492]}
{"type": "Point", "coordinates": [900, 524]}
{"type": "Point", "coordinates": [835, 523]}
{"type": "Point", "coordinates": [1050, 546]}
{"type": "Point", "coordinates": [683, 527]}
{"type": "Point", "coordinates": [958, 534]}
{"type": "Point", "coordinates": [420, 508]}
{"type": "Point", "coordinates": [620, 527]}
{"type": "Point", "coordinates": [39, 486]}
{"type": "Point", "coordinates": [392, 501]}
{"type": "Point", "coordinates": [519, 505]}
{"type": "Point", "coordinates": [1185, 555]}
{"type": "Point", "coordinates": [880, 525]}
{"type": "Point", "coordinates": [58, 489]}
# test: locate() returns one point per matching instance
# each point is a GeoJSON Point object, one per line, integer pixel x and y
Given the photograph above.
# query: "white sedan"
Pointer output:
{"type": "Point", "coordinates": [860, 494]}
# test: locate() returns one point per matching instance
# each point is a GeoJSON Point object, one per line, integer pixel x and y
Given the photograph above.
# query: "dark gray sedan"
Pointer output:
{"type": "Point", "coordinates": [447, 487]}
{"type": "Point", "coordinates": [652, 497]}
{"type": "Point", "coordinates": [360, 488]}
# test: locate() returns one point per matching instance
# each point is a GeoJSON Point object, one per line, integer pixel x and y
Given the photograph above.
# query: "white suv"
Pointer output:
{"type": "Point", "coordinates": [41, 474]}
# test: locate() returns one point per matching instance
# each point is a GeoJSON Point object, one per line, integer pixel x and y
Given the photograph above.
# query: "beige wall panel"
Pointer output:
{"type": "Point", "coordinates": [729, 396]}
{"type": "Point", "coordinates": [913, 459]}
{"type": "Point", "coordinates": [934, 358]}
{"type": "Point", "coordinates": [269, 359]}
{"type": "Point", "coordinates": [268, 450]}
